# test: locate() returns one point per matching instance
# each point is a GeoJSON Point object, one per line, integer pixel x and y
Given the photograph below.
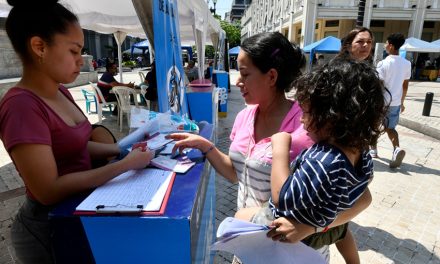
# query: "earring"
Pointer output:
{"type": "Point", "coordinates": [41, 59]}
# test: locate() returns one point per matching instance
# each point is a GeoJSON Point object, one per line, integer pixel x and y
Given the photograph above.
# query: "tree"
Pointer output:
{"type": "Point", "coordinates": [209, 51]}
{"type": "Point", "coordinates": [233, 32]}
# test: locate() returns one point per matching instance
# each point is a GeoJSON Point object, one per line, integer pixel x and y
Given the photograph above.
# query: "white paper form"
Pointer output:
{"type": "Point", "coordinates": [158, 141]}
{"type": "Point", "coordinates": [135, 190]}
{"type": "Point", "coordinates": [166, 163]}
{"type": "Point", "coordinates": [249, 242]}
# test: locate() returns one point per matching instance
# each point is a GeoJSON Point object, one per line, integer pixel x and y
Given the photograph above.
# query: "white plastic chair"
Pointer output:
{"type": "Point", "coordinates": [143, 93]}
{"type": "Point", "coordinates": [101, 101]}
{"type": "Point", "coordinates": [142, 76]}
{"type": "Point", "coordinates": [124, 103]}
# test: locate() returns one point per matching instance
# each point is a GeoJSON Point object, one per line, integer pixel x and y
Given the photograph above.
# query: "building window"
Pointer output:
{"type": "Point", "coordinates": [317, 26]}
{"type": "Point", "coordinates": [332, 23]}
{"type": "Point", "coordinates": [378, 37]}
{"type": "Point", "coordinates": [377, 23]}
{"type": "Point", "coordinates": [427, 36]}
{"type": "Point", "coordinates": [299, 31]}
{"type": "Point", "coordinates": [331, 33]}
{"type": "Point", "coordinates": [428, 24]}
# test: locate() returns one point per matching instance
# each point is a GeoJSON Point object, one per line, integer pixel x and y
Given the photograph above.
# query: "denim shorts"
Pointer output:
{"type": "Point", "coordinates": [392, 117]}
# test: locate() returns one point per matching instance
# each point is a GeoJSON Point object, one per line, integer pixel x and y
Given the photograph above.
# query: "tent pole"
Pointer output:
{"type": "Point", "coordinates": [119, 37]}
{"type": "Point", "coordinates": [120, 63]}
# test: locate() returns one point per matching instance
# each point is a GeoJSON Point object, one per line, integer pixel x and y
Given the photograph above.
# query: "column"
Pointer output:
{"type": "Point", "coordinates": [291, 22]}
{"type": "Point", "coordinates": [98, 46]}
{"type": "Point", "coordinates": [308, 22]}
{"type": "Point", "coordinates": [281, 16]}
{"type": "Point", "coordinates": [368, 13]}
{"type": "Point", "coordinates": [416, 25]}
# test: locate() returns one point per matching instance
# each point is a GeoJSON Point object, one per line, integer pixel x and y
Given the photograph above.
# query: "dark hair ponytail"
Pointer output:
{"type": "Point", "coordinates": [271, 50]}
{"type": "Point", "coordinates": [36, 18]}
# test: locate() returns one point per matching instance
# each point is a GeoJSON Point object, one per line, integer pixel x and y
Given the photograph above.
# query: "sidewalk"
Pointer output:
{"type": "Point", "coordinates": [412, 117]}
{"type": "Point", "coordinates": [401, 226]}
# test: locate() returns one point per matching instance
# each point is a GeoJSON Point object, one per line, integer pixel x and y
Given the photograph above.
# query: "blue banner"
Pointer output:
{"type": "Point", "coordinates": [168, 56]}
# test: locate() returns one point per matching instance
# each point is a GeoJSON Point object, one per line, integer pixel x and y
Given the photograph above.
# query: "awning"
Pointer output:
{"type": "Point", "coordinates": [234, 50]}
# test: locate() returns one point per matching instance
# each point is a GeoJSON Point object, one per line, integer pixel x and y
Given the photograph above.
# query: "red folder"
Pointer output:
{"type": "Point", "coordinates": [161, 210]}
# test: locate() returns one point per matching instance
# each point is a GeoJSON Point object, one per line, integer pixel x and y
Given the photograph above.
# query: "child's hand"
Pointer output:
{"type": "Point", "coordinates": [289, 230]}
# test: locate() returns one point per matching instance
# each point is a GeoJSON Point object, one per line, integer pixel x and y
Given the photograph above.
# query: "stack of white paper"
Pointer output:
{"type": "Point", "coordinates": [248, 241]}
{"type": "Point", "coordinates": [134, 190]}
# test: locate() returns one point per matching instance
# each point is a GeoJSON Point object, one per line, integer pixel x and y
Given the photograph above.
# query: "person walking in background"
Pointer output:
{"type": "Point", "coordinates": [357, 45]}
{"type": "Point", "coordinates": [395, 71]}
{"type": "Point", "coordinates": [44, 131]}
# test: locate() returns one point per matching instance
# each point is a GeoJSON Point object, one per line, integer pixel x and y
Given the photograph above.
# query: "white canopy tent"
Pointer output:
{"type": "Point", "coordinates": [436, 42]}
{"type": "Point", "coordinates": [418, 45]}
{"type": "Point", "coordinates": [197, 26]}
{"type": "Point", "coordinates": [116, 17]}
{"type": "Point", "coordinates": [109, 17]}
{"type": "Point", "coordinates": [134, 17]}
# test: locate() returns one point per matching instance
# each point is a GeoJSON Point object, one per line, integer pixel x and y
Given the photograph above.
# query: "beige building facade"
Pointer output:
{"type": "Point", "coordinates": [306, 21]}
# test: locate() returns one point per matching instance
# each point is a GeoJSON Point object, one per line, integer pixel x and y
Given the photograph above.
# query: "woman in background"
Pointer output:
{"type": "Point", "coordinates": [358, 45]}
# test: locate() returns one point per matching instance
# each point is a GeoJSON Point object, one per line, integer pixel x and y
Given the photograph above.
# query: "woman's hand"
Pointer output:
{"type": "Point", "coordinates": [289, 230]}
{"type": "Point", "coordinates": [138, 158]}
{"type": "Point", "coordinates": [188, 140]}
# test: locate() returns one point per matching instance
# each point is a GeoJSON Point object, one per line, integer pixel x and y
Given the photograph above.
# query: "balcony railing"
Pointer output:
{"type": "Point", "coordinates": [375, 3]}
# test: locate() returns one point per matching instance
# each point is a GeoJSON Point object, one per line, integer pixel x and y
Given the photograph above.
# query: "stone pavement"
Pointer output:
{"type": "Point", "coordinates": [401, 226]}
{"type": "Point", "coordinates": [412, 117]}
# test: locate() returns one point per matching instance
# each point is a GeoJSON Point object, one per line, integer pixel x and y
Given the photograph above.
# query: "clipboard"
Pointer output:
{"type": "Point", "coordinates": [98, 207]}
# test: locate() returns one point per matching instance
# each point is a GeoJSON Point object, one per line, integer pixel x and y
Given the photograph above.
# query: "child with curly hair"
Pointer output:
{"type": "Point", "coordinates": [343, 108]}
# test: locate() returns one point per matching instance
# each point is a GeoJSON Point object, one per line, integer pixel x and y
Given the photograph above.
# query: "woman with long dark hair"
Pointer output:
{"type": "Point", "coordinates": [44, 131]}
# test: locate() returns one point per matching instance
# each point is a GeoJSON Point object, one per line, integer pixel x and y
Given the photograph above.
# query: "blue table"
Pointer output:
{"type": "Point", "coordinates": [182, 235]}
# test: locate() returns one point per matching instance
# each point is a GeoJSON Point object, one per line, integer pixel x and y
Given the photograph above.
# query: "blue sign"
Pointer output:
{"type": "Point", "coordinates": [168, 56]}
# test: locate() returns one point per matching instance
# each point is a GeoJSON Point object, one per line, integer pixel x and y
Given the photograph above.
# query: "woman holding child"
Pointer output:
{"type": "Point", "coordinates": [268, 65]}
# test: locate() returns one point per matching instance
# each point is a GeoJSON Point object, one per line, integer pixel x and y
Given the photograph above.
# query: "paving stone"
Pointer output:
{"type": "Point", "coordinates": [420, 258]}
